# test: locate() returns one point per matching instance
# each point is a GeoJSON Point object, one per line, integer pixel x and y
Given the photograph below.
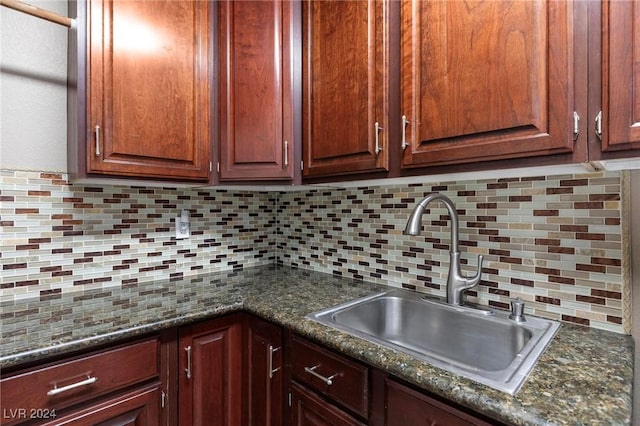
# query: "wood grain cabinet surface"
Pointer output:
{"type": "Point", "coordinates": [259, 51]}
{"type": "Point", "coordinates": [345, 84]}
{"type": "Point", "coordinates": [326, 388]}
{"type": "Point", "coordinates": [210, 373]}
{"type": "Point", "coordinates": [264, 371]}
{"type": "Point", "coordinates": [615, 85]}
{"type": "Point", "coordinates": [308, 409]}
{"type": "Point", "coordinates": [407, 407]}
{"type": "Point", "coordinates": [141, 102]}
{"type": "Point", "coordinates": [123, 382]}
{"type": "Point", "coordinates": [138, 408]}
{"type": "Point", "coordinates": [485, 80]}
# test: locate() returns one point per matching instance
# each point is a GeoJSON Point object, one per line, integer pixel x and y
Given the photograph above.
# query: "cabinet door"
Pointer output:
{"type": "Point", "coordinates": [210, 373]}
{"type": "Point", "coordinates": [257, 58]}
{"type": "Point", "coordinates": [138, 408]}
{"type": "Point", "coordinates": [486, 80]}
{"type": "Point", "coordinates": [345, 80]}
{"type": "Point", "coordinates": [264, 373]}
{"type": "Point", "coordinates": [406, 407]}
{"type": "Point", "coordinates": [307, 409]}
{"type": "Point", "coordinates": [148, 107]}
{"type": "Point", "coordinates": [621, 75]}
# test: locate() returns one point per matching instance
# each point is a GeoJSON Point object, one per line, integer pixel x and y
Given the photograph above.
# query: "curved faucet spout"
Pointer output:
{"type": "Point", "coordinates": [456, 282]}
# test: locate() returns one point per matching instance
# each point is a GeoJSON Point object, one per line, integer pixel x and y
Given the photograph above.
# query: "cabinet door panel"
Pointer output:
{"type": "Point", "coordinates": [621, 75]}
{"type": "Point", "coordinates": [345, 82]}
{"type": "Point", "coordinates": [210, 373]}
{"type": "Point", "coordinates": [149, 89]}
{"type": "Point", "coordinates": [264, 363]}
{"type": "Point", "coordinates": [486, 80]}
{"type": "Point", "coordinates": [256, 98]}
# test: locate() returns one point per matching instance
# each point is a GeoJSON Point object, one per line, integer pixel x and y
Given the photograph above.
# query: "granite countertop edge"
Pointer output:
{"type": "Point", "coordinates": [551, 395]}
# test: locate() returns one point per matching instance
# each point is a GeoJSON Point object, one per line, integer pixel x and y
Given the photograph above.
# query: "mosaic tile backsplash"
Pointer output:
{"type": "Point", "coordinates": [61, 237]}
{"type": "Point", "coordinates": [555, 241]}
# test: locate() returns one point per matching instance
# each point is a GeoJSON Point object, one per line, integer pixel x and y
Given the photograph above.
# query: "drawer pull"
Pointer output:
{"type": "Point", "coordinates": [327, 380]}
{"type": "Point", "coordinates": [56, 390]}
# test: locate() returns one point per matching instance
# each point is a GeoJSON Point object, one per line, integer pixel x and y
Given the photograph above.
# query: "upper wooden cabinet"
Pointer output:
{"type": "Point", "coordinates": [147, 101]}
{"type": "Point", "coordinates": [485, 80]}
{"type": "Point", "coordinates": [345, 81]}
{"type": "Point", "coordinates": [259, 55]}
{"type": "Point", "coordinates": [619, 122]}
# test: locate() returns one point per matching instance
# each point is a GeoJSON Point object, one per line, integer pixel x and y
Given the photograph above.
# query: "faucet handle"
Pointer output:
{"type": "Point", "coordinates": [517, 310]}
{"type": "Point", "coordinates": [475, 280]}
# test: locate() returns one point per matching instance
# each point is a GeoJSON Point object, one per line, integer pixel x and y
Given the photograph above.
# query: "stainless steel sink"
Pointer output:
{"type": "Point", "coordinates": [485, 346]}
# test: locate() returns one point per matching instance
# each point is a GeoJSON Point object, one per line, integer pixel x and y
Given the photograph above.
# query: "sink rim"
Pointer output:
{"type": "Point", "coordinates": [508, 380]}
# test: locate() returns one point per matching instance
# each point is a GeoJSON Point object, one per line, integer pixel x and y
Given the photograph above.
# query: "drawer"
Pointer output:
{"type": "Point", "coordinates": [309, 409]}
{"type": "Point", "coordinates": [69, 382]}
{"type": "Point", "coordinates": [342, 380]}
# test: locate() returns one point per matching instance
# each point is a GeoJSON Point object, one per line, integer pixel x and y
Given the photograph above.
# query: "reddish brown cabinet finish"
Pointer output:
{"type": "Point", "coordinates": [147, 100]}
{"type": "Point", "coordinates": [259, 51]}
{"type": "Point", "coordinates": [70, 383]}
{"type": "Point", "coordinates": [349, 385]}
{"type": "Point", "coordinates": [307, 409]}
{"type": "Point", "coordinates": [264, 373]}
{"type": "Point", "coordinates": [138, 408]}
{"type": "Point", "coordinates": [620, 128]}
{"type": "Point", "coordinates": [486, 80]}
{"type": "Point", "coordinates": [345, 83]}
{"type": "Point", "coordinates": [210, 372]}
{"type": "Point", "coordinates": [406, 407]}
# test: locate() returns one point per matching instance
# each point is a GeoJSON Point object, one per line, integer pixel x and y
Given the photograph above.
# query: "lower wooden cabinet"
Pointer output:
{"type": "Point", "coordinates": [330, 375]}
{"type": "Point", "coordinates": [230, 371]}
{"type": "Point", "coordinates": [210, 372]}
{"type": "Point", "coordinates": [407, 407]}
{"type": "Point", "coordinates": [309, 409]}
{"type": "Point", "coordinates": [264, 373]}
{"type": "Point", "coordinates": [138, 408]}
{"type": "Point", "coordinates": [89, 389]}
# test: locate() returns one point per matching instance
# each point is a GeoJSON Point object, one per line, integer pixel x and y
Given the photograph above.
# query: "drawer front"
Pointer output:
{"type": "Point", "coordinates": [336, 377]}
{"type": "Point", "coordinates": [69, 382]}
{"type": "Point", "coordinates": [309, 409]}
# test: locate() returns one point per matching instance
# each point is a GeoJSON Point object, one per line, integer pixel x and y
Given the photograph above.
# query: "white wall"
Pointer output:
{"type": "Point", "coordinates": [33, 90]}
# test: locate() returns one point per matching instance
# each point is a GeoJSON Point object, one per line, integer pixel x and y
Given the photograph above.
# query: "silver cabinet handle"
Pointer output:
{"type": "Point", "coordinates": [327, 380]}
{"type": "Point", "coordinates": [404, 132]}
{"type": "Point", "coordinates": [377, 131]}
{"type": "Point", "coordinates": [599, 125]}
{"type": "Point", "coordinates": [88, 381]}
{"type": "Point", "coordinates": [272, 371]}
{"type": "Point", "coordinates": [97, 129]}
{"type": "Point", "coordinates": [286, 153]}
{"type": "Point", "coordinates": [188, 369]}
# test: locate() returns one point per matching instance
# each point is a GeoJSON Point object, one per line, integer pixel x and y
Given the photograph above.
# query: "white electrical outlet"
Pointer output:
{"type": "Point", "coordinates": [182, 225]}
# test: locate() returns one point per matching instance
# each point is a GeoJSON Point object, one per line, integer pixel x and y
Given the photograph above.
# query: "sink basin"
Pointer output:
{"type": "Point", "coordinates": [483, 345]}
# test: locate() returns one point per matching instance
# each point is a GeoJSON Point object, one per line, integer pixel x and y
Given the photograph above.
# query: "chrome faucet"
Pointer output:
{"type": "Point", "coordinates": [456, 283]}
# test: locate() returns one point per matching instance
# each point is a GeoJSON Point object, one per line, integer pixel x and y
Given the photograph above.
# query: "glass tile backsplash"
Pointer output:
{"type": "Point", "coordinates": [555, 241]}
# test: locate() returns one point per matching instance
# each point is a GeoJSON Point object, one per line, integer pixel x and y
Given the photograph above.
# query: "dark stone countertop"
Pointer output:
{"type": "Point", "coordinates": [584, 377]}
